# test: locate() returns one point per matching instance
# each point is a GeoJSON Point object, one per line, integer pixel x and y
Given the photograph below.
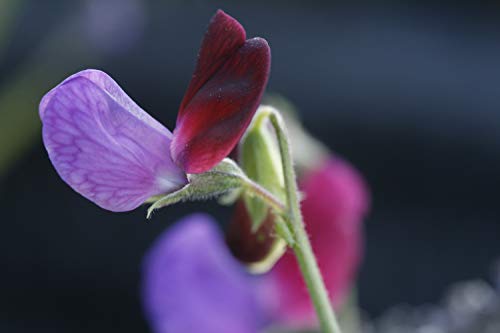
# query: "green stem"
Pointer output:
{"type": "Point", "coordinates": [266, 196]}
{"type": "Point", "coordinates": [302, 247]}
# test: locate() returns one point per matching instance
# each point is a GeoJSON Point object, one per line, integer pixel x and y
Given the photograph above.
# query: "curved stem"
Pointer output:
{"type": "Point", "coordinates": [302, 247]}
{"type": "Point", "coordinates": [260, 192]}
{"type": "Point", "coordinates": [280, 209]}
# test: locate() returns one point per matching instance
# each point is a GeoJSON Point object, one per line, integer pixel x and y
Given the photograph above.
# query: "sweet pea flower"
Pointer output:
{"type": "Point", "coordinates": [191, 282]}
{"type": "Point", "coordinates": [113, 153]}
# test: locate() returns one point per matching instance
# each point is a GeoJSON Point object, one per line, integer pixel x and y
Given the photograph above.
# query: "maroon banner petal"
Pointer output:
{"type": "Point", "coordinates": [219, 113]}
{"type": "Point", "coordinates": [223, 38]}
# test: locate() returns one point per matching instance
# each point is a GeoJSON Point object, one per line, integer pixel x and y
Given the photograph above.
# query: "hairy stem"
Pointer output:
{"type": "Point", "coordinates": [302, 247]}
{"type": "Point", "coordinates": [257, 190]}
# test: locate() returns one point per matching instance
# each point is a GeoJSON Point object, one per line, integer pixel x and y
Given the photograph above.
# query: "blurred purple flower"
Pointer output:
{"type": "Point", "coordinates": [192, 284]}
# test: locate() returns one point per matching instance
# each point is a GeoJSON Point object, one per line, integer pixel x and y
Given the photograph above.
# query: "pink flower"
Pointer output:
{"type": "Point", "coordinates": [336, 202]}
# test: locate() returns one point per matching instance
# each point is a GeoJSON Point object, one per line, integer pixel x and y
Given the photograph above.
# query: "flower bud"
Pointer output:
{"type": "Point", "coordinates": [261, 161]}
{"type": "Point", "coordinates": [251, 235]}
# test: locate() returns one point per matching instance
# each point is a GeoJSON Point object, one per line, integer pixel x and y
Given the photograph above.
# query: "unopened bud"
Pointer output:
{"type": "Point", "coordinates": [252, 235]}
{"type": "Point", "coordinates": [261, 161]}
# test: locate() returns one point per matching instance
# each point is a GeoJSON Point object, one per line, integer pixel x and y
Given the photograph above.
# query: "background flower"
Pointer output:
{"type": "Point", "coordinates": [192, 284]}
{"type": "Point", "coordinates": [335, 204]}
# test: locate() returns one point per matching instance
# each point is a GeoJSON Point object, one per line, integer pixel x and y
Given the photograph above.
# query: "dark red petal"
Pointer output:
{"type": "Point", "coordinates": [247, 246]}
{"type": "Point", "coordinates": [214, 120]}
{"type": "Point", "coordinates": [223, 38]}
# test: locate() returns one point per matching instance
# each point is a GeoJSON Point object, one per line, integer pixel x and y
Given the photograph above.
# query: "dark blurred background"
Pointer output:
{"type": "Point", "coordinates": [410, 94]}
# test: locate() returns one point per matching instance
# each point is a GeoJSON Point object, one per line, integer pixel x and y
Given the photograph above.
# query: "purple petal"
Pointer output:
{"type": "Point", "coordinates": [104, 145]}
{"type": "Point", "coordinates": [192, 284]}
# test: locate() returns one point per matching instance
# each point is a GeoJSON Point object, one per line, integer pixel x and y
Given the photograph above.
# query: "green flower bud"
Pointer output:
{"type": "Point", "coordinates": [261, 161]}
{"type": "Point", "coordinates": [255, 235]}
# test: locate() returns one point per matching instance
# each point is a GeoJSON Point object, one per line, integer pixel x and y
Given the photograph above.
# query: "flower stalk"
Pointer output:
{"type": "Point", "coordinates": [302, 247]}
{"type": "Point", "coordinates": [260, 192]}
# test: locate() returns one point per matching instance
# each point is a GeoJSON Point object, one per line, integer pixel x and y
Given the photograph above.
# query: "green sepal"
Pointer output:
{"type": "Point", "coordinates": [222, 179]}
{"type": "Point", "coordinates": [277, 250]}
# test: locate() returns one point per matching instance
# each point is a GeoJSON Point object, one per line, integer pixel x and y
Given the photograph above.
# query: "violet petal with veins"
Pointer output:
{"type": "Point", "coordinates": [104, 145]}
